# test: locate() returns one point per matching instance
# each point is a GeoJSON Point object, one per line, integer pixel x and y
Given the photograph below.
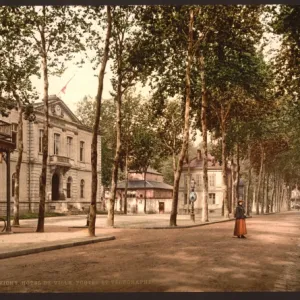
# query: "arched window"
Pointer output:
{"type": "Point", "coordinates": [69, 184]}
{"type": "Point", "coordinates": [13, 184]}
{"type": "Point", "coordinates": [82, 188]}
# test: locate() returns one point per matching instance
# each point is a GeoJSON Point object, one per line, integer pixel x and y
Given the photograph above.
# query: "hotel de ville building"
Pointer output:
{"type": "Point", "coordinates": [69, 161]}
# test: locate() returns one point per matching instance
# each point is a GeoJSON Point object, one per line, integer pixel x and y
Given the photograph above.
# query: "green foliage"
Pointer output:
{"type": "Point", "coordinates": [285, 22]}
{"type": "Point", "coordinates": [147, 148]}
{"type": "Point", "coordinates": [31, 215]}
{"type": "Point", "coordinates": [86, 113]}
{"type": "Point", "coordinates": [170, 127]}
{"type": "Point", "coordinates": [167, 171]}
{"type": "Point", "coordinates": [18, 64]}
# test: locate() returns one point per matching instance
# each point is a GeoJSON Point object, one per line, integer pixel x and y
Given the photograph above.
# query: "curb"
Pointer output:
{"type": "Point", "coordinates": [192, 226]}
{"type": "Point", "coordinates": [55, 247]}
{"type": "Point", "coordinates": [167, 227]}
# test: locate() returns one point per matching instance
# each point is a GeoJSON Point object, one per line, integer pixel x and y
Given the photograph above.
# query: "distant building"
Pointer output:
{"type": "Point", "coordinates": [69, 161]}
{"type": "Point", "coordinates": [158, 193]}
{"type": "Point", "coordinates": [215, 192]}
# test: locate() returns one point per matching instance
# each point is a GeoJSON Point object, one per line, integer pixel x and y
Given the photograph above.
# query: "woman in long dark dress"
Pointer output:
{"type": "Point", "coordinates": [240, 223]}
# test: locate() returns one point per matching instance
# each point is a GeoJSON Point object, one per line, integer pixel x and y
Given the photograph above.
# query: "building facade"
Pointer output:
{"type": "Point", "coordinates": [158, 193]}
{"type": "Point", "coordinates": [215, 184]}
{"type": "Point", "coordinates": [69, 161]}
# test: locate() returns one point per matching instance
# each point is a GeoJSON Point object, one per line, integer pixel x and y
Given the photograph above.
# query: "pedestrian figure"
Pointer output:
{"type": "Point", "coordinates": [240, 223]}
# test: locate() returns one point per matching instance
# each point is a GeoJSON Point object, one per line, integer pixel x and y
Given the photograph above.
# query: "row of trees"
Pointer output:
{"type": "Point", "coordinates": [209, 57]}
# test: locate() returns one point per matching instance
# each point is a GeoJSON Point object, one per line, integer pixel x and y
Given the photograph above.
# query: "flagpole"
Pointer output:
{"type": "Point", "coordinates": [64, 88]}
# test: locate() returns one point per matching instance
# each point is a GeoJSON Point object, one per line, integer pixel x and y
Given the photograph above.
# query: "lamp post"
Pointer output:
{"type": "Point", "coordinates": [193, 198]}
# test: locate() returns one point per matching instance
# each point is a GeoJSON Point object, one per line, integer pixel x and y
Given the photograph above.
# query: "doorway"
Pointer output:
{"type": "Point", "coordinates": [161, 207]}
{"type": "Point", "coordinates": [55, 187]}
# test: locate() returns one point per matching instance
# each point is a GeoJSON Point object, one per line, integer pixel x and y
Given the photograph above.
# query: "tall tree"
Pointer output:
{"type": "Point", "coordinates": [130, 115]}
{"type": "Point", "coordinates": [147, 150]}
{"type": "Point", "coordinates": [18, 64]}
{"type": "Point", "coordinates": [128, 51]}
{"type": "Point", "coordinates": [189, 59]}
{"type": "Point", "coordinates": [169, 129]}
{"type": "Point", "coordinates": [55, 32]}
{"type": "Point", "coordinates": [94, 151]}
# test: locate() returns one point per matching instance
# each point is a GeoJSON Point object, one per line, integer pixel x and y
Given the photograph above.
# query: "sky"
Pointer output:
{"type": "Point", "coordinates": [84, 83]}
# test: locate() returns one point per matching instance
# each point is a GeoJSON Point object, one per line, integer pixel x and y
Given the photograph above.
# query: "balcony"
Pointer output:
{"type": "Point", "coordinates": [7, 138]}
{"type": "Point", "coordinates": [57, 160]}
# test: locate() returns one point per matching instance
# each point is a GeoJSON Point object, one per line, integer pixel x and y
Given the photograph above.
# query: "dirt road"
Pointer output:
{"type": "Point", "coordinates": [205, 258]}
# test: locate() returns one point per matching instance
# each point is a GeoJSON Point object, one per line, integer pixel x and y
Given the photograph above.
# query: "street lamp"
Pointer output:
{"type": "Point", "coordinates": [193, 198]}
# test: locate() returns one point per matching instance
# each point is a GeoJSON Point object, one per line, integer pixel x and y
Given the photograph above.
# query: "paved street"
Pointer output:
{"type": "Point", "coordinates": [206, 258]}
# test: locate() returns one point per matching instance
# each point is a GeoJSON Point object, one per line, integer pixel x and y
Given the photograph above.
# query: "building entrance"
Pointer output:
{"type": "Point", "coordinates": [55, 187]}
{"type": "Point", "coordinates": [161, 207]}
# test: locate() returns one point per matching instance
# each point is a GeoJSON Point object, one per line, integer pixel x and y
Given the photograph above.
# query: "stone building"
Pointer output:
{"type": "Point", "coordinates": [69, 161]}
{"type": "Point", "coordinates": [158, 193]}
{"type": "Point", "coordinates": [215, 193]}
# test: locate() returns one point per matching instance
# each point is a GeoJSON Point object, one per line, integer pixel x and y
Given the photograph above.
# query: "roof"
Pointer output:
{"type": "Point", "coordinates": [53, 99]}
{"type": "Point", "coordinates": [139, 184]}
{"type": "Point", "coordinates": [198, 163]}
{"type": "Point", "coordinates": [149, 171]}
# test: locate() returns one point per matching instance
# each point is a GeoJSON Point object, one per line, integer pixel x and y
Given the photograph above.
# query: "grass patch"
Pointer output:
{"type": "Point", "coordinates": [36, 215]}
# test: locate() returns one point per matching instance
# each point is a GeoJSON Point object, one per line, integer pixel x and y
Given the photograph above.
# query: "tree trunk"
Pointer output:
{"type": "Point", "coordinates": [267, 195]}
{"type": "Point", "coordinates": [273, 193]}
{"type": "Point", "coordinates": [173, 216]}
{"type": "Point", "coordinates": [277, 194]}
{"type": "Point", "coordinates": [247, 198]}
{"type": "Point", "coordinates": [263, 191]}
{"type": "Point", "coordinates": [253, 201]}
{"type": "Point", "coordinates": [289, 191]}
{"type": "Point", "coordinates": [126, 184]}
{"type": "Point", "coordinates": [114, 177]}
{"type": "Point", "coordinates": [281, 194]}
{"type": "Point", "coordinates": [43, 182]}
{"type": "Point", "coordinates": [224, 165]}
{"type": "Point", "coordinates": [94, 152]}
{"type": "Point", "coordinates": [282, 197]}
{"type": "Point", "coordinates": [18, 165]}
{"type": "Point", "coordinates": [204, 136]}
{"type": "Point", "coordinates": [259, 178]}
{"type": "Point", "coordinates": [188, 181]}
{"type": "Point", "coordinates": [145, 196]}
{"type": "Point", "coordinates": [233, 186]}
{"type": "Point", "coordinates": [238, 168]}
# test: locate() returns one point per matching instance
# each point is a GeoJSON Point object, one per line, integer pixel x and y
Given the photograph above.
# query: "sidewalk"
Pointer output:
{"type": "Point", "coordinates": [16, 244]}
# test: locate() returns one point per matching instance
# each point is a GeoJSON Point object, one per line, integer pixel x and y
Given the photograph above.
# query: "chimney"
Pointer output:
{"type": "Point", "coordinates": [198, 154]}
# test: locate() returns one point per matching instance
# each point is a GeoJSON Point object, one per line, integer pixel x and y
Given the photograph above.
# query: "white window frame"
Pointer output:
{"type": "Point", "coordinates": [41, 134]}
{"type": "Point", "coordinates": [212, 198]}
{"type": "Point", "coordinates": [69, 146]}
{"type": "Point", "coordinates": [212, 180]}
{"type": "Point", "coordinates": [81, 151]}
{"type": "Point", "coordinates": [56, 144]}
